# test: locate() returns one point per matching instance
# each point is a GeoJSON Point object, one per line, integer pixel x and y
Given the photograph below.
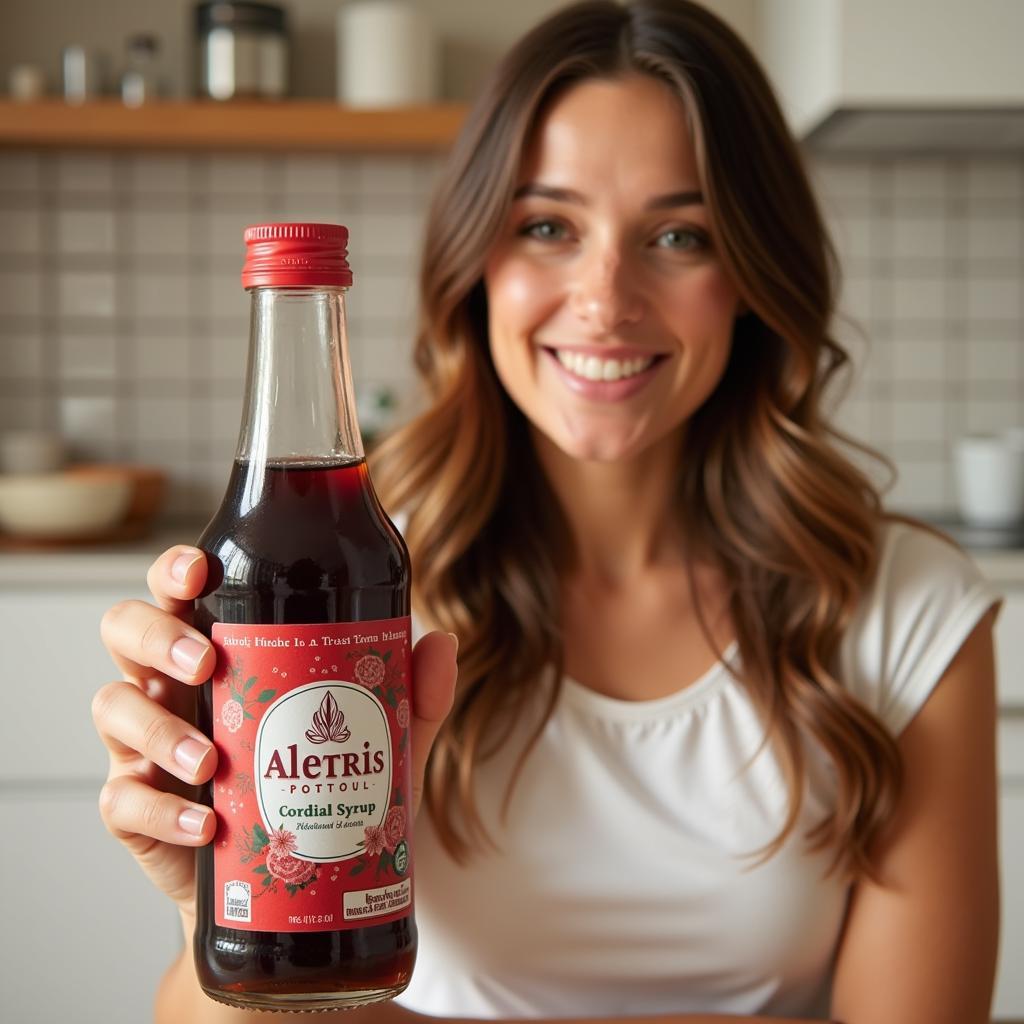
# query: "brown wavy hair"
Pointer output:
{"type": "Point", "coordinates": [765, 492]}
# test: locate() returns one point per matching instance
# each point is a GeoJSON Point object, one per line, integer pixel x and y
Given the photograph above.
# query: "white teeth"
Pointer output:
{"type": "Point", "coordinates": [594, 368]}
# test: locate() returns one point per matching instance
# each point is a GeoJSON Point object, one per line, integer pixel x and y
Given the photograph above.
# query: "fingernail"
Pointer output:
{"type": "Point", "coordinates": [455, 641]}
{"type": "Point", "coordinates": [187, 653]}
{"type": "Point", "coordinates": [189, 753]}
{"type": "Point", "coordinates": [192, 820]}
{"type": "Point", "coordinates": [181, 566]}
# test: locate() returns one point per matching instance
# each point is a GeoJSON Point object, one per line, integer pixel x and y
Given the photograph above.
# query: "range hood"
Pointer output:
{"type": "Point", "coordinates": [898, 76]}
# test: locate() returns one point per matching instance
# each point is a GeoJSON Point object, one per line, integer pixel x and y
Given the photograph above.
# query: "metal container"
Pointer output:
{"type": "Point", "coordinates": [243, 50]}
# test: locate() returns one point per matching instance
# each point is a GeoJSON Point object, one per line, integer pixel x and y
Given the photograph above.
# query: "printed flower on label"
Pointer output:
{"type": "Point", "coordinates": [374, 840]}
{"type": "Point", "coordinates": [370, 670]}
{"type": "Point", "coordinates": [281, 840]}
{"type": "Point", "coordinates": [394, 826]}
{"type": "Point", "coordinates": [402, 714]}
{"type": "Point", "coordinates": [289, 869]}
{"type": "Point", "coordinates": [232, 715]}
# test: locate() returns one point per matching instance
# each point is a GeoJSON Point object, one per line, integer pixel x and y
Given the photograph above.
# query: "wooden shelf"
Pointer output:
{"type": "Point", "coordinates": [283, 125]}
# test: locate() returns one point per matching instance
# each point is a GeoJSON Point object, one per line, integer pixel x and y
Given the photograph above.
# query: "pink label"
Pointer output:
{"type": "Point", "coordinates": [311, 723]}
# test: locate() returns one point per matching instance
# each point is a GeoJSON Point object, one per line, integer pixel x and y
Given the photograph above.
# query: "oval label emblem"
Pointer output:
{"type": "Point", "coordinates": [322, 766]}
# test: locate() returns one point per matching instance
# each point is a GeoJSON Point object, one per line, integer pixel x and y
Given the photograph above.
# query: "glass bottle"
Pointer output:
{"type": "Point", "coordinates": [304, 898]}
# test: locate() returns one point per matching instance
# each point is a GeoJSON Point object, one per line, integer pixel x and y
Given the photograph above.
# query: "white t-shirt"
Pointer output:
{"type": "Point", "coordinates": [621, 886]}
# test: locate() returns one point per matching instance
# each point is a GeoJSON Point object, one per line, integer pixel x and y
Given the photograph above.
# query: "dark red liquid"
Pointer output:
{"type": "Point", "coordinates": [302, 543]}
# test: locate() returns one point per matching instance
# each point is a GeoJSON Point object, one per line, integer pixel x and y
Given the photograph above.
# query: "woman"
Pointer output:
{"type": "Point", "coordinates": [722, 740]}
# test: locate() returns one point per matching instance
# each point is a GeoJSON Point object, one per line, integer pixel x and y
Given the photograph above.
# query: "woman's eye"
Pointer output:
{"type": "Point", "coordinates": [682, 240]}
{"type": "Point", "coordinates": [545, 230]}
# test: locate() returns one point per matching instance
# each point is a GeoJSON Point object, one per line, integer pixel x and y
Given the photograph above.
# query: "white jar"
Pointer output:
{"type": "Point", "coordinates": [387, 54]}
{"type": "Point", "coordinates": [990, 480]}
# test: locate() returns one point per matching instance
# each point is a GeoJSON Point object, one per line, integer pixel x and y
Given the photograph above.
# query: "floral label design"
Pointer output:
{"type": "Point", "coordinates": [311, 723]}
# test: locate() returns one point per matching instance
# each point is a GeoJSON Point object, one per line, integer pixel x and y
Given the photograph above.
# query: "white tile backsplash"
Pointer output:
{"type": "Point", "coordinates": [21, 293]}
{"type": "Point", "coordinates": [85, 419]}
{"type": "Point", "coordinates": [159, 173]}
{"type": "Point", "coordinates": [991, 179]}
{"type": "Point", "coordinates": [986, 415]}
{"type": "Point", "coordinates": [21, 232]}
{"type": "Point", "coordinates": [85, 172]}
{"type": "Point", "coordinates": [21, 355]}
{"type": "Point", "coordinates": [159, 233]}
{"type": "Point", "coordinates": [123, 320]}
{"type": "Point", "coordinates": [85, 231]}
{"type": "Point", "coordinates": [914, 360]}
{"type": "Point", "coordinates": [917, 179]}
{"type": "Point", "coordinates": [159, 295]}
{"type": "Point", "coordinates": [919, 299]}
{"type": "Point", "coordinates": [86, 294]}
{"type": "Point", "coordinates": [21, 172]}
{"type": "Point", "coordinates": [918, 421]}
{"type": "Point", "coordinates": [922, 487]}
{"type": "Point", "coordinates": [994, 360]}
{"type": "Point", "coordinates": [995, 238]}
{"type": "Point", "coordinates": [235, 175]}
{"type": "Point", "coordinates": [918, 238]}
{"type": "Point", "coordinates": [161, 419]}
{"type": "Point", "coordinates": [991, 299]}
{"type": "Point", "coordinates": [88, 357]}
{"type": "Point", "coordinates": [312, 175]}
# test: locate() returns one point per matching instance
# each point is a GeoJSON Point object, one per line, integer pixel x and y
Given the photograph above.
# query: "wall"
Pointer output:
{"type": "Point", "coordinates": [122, 320]}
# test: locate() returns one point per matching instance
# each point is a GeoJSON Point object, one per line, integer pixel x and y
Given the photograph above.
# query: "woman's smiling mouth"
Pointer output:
{"type": "Point", "coordinates": [604, 377]}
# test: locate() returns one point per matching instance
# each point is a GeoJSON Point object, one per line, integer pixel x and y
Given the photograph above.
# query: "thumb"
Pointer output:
{"type": "Point", "coordinates": [434, 672]}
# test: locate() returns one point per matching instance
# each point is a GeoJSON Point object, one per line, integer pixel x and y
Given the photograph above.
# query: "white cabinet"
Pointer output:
{"type": "Point", "coordinates": [870, 72]}
{"type": "Point", "coordinates": [90, 936]}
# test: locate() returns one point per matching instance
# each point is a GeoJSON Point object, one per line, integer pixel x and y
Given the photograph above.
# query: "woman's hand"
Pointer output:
{"type": "Point", "coordinates": [157, 756]}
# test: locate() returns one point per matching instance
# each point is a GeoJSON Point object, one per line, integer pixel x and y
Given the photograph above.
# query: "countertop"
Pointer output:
{"type": "Point", "coordinates": [125, 564]}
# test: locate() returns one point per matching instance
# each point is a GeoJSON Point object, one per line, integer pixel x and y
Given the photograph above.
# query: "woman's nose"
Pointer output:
{"type": "Point", "coordinates": [603, 295]}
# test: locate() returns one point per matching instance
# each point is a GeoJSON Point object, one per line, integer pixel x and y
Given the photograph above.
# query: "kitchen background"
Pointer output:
{"type": "Point", "coordinates": [123, 323]}
{"type": "Point", "coordinates": [123, 327]}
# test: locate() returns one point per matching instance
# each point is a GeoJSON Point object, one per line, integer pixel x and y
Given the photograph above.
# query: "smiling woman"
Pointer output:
{"type": "Point", "coordinates": [721, 744]}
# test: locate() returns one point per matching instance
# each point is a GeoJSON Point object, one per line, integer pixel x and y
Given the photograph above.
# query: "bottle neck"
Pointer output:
{"type": "Point", "coordinates": [299, 405]}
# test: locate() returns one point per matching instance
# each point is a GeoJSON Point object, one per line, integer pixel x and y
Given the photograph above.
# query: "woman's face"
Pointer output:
{"type": "Point", "coordinates": [610, 314]}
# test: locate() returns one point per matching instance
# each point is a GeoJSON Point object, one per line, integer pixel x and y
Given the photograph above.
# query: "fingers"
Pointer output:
{"type": "Point", "coordinates": [434, 671]}
{"type": "Point", "coordinates": [138, 814]}
{"type": "Point", "coordinates": [141, 637]}
{"type": "Point", "coordinates": [176, 578]}
{"type": "Point", "coordinates": [133, 725]}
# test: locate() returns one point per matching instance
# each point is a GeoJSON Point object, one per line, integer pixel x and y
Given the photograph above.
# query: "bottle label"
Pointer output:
{"type": "Point", "coordinates": [312, 790]}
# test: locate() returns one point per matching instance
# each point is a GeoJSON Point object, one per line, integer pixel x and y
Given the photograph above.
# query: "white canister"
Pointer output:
{"type": "Point", "coordinates": [387, 54]}
{"type": "Point", "coordinates": [990, 480]}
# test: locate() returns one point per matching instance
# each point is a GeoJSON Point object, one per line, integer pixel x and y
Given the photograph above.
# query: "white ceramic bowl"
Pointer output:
{"type": "Point", "coordinates": [63, 505]}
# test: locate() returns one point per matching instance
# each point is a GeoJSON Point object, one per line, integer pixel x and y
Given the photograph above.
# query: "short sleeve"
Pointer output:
{"type": "Point", "coordinates": [926, 599]}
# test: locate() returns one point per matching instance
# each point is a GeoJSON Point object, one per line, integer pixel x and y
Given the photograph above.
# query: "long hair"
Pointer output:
{"type": "Point", "coordinates": [765, 492]}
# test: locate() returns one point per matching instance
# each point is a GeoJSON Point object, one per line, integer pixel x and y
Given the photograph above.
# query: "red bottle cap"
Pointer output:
{"type": "Point", "coordinates": [296, 256]}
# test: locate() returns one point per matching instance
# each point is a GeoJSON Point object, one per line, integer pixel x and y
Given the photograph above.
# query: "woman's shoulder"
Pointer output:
{"type": "Point", "coordinates": [926, 596]}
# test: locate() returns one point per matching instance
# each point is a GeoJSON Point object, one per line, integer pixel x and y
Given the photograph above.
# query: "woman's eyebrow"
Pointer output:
{"type": "Point", "coordinates": [567, 195]}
